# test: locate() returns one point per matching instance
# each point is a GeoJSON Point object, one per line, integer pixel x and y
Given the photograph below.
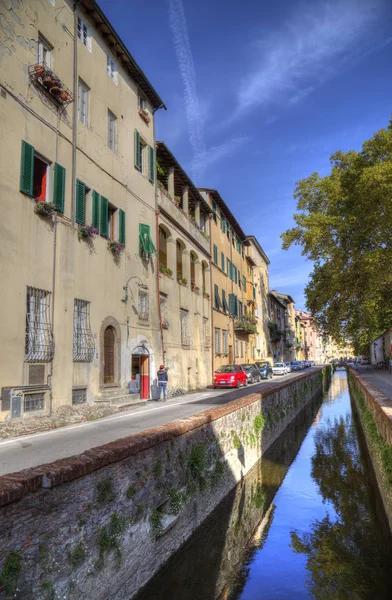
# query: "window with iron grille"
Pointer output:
{"type": "Point", "coordinates": [184, 317]}
{"type": "Point", "coordinates": [225, 341]}
{"type": "Point", "coordinates": [79, 396]}
{"type": "Point", "coordinates": [144, 308]}
{"type": "Point", "coordinates": [164, 317]}
{"type": "Point", "coordinates": [206, 332]}
{"type": "Point", "coordinates": [34, 402]}
{"type": "Point", "coordinates": [217, 340]}
{"type": "Point", "coordinates": [39, 337]}
{"type": "Point", "coordinates": [83, 340]}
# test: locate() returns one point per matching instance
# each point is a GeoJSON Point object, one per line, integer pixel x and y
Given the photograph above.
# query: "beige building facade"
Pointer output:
{"type": "Point", "coordinates": [258, 276]}
{"type": "Point", "coordinates": [79, 214]}
{"type": "Point", "coordinates": [185, 276]}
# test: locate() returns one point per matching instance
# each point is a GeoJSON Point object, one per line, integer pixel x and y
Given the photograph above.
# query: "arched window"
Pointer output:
{"type": "Point", "coordinates": [162, 247]}
{"type": "Point", "coordinates": [180, 247]}
{"type": "Point", "coordinates": [108, 347]}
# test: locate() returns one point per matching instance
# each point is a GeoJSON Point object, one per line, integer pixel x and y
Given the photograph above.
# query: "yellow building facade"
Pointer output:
{"type": "Point", "coordinates": [78, 205]}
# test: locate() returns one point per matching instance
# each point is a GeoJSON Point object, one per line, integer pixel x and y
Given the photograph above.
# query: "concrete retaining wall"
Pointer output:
{"type": "Point", "coordinates": [100, 524]}
{"type": "Point", "coordinates": [371, 402]}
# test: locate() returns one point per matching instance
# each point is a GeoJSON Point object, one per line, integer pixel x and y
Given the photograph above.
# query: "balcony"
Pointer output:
{"type": "Point", "coordinates": [247, 325]}
{"type": "Point", "coordinates": [171, 207]}
{"type": "Point", "coordinates": [275, 334]}
{"type": "Point", "coordinates": [47, 81]}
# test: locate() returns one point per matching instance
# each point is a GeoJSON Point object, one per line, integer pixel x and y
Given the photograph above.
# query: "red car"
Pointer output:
{"type": "Point", "coordinates": [230, 376]}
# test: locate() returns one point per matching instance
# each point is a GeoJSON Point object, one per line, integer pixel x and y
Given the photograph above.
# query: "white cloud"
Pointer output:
{"type": "Point", "coordinates": [216, 153]}
{"type": "Point", "coordinates": [316, 43]}
{"type": "Point", "coordinates": [194, 115]}
{"type": "Point", "coordinates": [290, 276]}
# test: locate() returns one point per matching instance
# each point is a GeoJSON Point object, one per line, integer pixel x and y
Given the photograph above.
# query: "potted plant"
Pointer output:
{"type": "Point", "coordinates": [182, 280]}
{"type": "Point", "coordinates": [39, 70]}
{"type": "Point", "coordinates": [194, 287]}
{"type": "Point", "coordinates": [206, 294]}
{"type": "Point", "coordinates": [44, 208]}
{"type": "Point", "coordinates": [165, 270]}
{"type": "Point", "coordinates": [87, 231]}
{"type": "Point", "coordinates": [115, 247]}
{"type": "Point", "coordinates": [64, 96]}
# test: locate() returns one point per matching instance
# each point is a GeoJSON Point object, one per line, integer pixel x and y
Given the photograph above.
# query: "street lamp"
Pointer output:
{"type": "Point", "coordinates": [140, 284]}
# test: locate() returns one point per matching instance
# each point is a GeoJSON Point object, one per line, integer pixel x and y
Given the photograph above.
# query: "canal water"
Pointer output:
{"type": "Point", "coordinates": [306, 522]}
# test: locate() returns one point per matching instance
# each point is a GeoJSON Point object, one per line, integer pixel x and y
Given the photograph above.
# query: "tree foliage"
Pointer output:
{"type": "Point", "coordinates": [345, 228]}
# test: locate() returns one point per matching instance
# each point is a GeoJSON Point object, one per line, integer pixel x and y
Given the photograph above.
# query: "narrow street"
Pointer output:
{"type": "Point", "coordinates": [40, 448]}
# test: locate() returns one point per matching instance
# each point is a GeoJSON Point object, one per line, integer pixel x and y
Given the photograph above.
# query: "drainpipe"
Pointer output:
{"type": "Point", "coordinates": [52, 309]}
{"type": "Point", "coordinates": [157, 212]}
{"type": "Point", "coordinates": [74, 112]}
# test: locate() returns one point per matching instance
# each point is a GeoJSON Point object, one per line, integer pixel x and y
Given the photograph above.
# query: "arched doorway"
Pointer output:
{"type": "Point", "coordinates": [140, 372]}
{"type": "Point", "coordinates": [109, 341]}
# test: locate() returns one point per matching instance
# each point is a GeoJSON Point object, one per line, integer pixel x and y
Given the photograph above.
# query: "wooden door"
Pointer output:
{"type": "Point", "coordinates": [108, 351]}
{"type": "Point", "coordinates": [144, 378]}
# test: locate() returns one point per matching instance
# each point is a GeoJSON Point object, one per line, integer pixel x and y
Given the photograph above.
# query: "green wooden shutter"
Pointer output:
{"type": "Point", "coordinates": [59, 187]}
{"type": "Point", "coordinates": [80, 201]}
{"type": "Point", "coordinates": [231, 304]}
{"type": "Point", "coordinates": [217, 299]}
{"type": "Point", "coordinates": [27, 169]}
{"type": "Point", "coordinates": [244, 282]}
{"type": "Point", "coordinates": [138, 158]}
{"type": "Point", "coordinates": [215, 254]}
{"type": "Point", "coordinates": [151, 165]}
{"type": "Point", "coordinates": [235, 274]}
{"type": "Point", "coordinates": [222, 261]}
{"type": "Point", "coordinates": [121, 222]}
{"type": "Point", "coordinates": [254, 293]}
{"type": "Point", "coordinates": [95, 209]}
{"type": "Point", "coordinates": [144, 234]}
{"type": "Point", "coordinates": [104, 217]}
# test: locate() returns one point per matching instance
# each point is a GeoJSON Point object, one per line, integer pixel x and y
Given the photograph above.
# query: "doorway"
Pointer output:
{"type": "Point", "coordinates": [108, 352]}
{"type": "Point", "coordinates": [140, 373]}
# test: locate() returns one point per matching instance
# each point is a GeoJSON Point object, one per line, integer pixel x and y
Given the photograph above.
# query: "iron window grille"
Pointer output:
{"type": "Point", "coordinates": [225, 341]}
{"type": "Point", "coordinates": [33, 402]}
{"type": "Point", "coordinates": [164, 317]}
{"type": "Point", "coordinates": [83, 340]}
{"type": "Point", "coordinates": [79, 396]}
{"type": "Point", "coordinates": [144, 308]}
{"type": "Point", "coordinates": [39, 346]}
{"type": "Point", "coordinates": [217, 340]}
{"type": "Point", "coordinates": [207, 336]}
{"type": "Point", "coordinates": [184, 317]}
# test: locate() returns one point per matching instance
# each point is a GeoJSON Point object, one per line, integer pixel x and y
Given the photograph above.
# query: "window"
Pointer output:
{"type": "Point", "coordinates": [112, 212]}
{"type": "Point", "coordinates": [225, 341]}
{"type": "Point", "coordinates": [142, 102]}
{"type": "Point", "coordinates": [184, 318]}
{"type": "Point", "coordinates": [147, 247]}
{"type": "Point", "coordinates": [112, 131]}
{"type": "Point", "coordinates": [34, 402]}
{"type": "Point", "coordinates": [244, 282]}
{"type": "Point", "coordinates": [216, 297]}
{"type": "Point", "coordinates": [44, 52]}
{"type": "Point", "coordinates": [83, 92]}
{"type": "Point", "coordinates": [224, 303]}
{"type": "Point", "coordinates": [206, 332]}
{"type": "Point", "coordinates": [223, 224]}
{"type": "Point", "coordinates": [83, 340]}
{"type": "Point", "coordinates": [236, 348]}
{"type": "Point", "coordinates": [144, 308]}
{"type": "Point", "coordinates": [34, 177]}
{"type": "Point", "coordinates": [39, 338]}
{"type": "Point", "coordinates": [111, 69]}
{"type": "Point", "coordinates": [164, 310]}
{"type": "Point", "coordinates": [240, 310]}
{"type": "Point", "coordinates": [82, 198]}
{"type": "Point", "coordinates": [214, 211]}
{"type": "Point", "coordinates": [217, 340]}
{"type": "Point", "coordinates": [222, 261]}
{"type": "Point", "coordinates": [162, 247]}
{"type": "Point", "coordinates": [215, 254]}
{"type": "Point", "coordinates": [79, 396]}
{"type": "Point", "coordinates": [84, 33]}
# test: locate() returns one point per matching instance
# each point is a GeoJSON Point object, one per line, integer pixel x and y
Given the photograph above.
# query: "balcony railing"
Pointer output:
{"type": "Point", "coordinates": [245, 325]}
{"type": "Point", "coordinates": [47, 80]}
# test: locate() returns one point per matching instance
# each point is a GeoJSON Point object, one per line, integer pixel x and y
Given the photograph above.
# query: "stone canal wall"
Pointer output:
{"type": "Point", "coordinates": [100, 524]}
{"type": "Point", "coordinates": [375, 415]}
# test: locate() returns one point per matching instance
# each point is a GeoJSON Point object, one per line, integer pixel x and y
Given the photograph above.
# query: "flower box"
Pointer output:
{"type": "Point", "coordinates": [165, 270]}
{"type": "Point", "coordinates": [87, 231]}
{"type": "Point", "coordinates": [144, 115]}
{"type": "Point", "coordinates": [115, 247]}
{"type": "Point", "coordinates": [45, 209]}
{"type": "Point", "coordinates": [182, 280]}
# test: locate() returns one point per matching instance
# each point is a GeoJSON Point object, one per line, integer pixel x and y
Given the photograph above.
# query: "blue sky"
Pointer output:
{"type": "Point", "coordinates": [259, 95]}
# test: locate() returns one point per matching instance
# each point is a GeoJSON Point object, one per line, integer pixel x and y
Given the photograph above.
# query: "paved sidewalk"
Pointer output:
{"type": "Point", "coordinates": [40, 448]}
{"type": "Point", "coordinates": [380, 379]}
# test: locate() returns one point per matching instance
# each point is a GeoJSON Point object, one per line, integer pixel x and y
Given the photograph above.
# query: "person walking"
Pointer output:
{"type": "Point", "coordinates": [162, 383]}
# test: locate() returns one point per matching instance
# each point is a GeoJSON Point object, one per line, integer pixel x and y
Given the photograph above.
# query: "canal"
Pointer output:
{"type": "Point", "coordinates": [306, 522]}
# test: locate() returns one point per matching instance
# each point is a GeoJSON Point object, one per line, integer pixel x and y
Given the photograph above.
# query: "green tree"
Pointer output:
{"type": "Point", "coordinates": [345, 228]}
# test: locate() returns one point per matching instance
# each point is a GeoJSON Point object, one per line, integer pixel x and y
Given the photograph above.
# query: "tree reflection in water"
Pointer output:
{"type": "Point", "coordinates": [347, 555]}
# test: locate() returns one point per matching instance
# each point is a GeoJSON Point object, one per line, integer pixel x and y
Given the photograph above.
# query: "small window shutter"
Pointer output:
{"type": "Point", "coordinates": [121, 219]}
{"type": "Point", "coordinates": [215, 254]}
{"type": "Point", "coordinates": [151, 165]}
{"type": "Point", "coordinates": [138, 158]}
{"type": "Point", "coordinates": [222, 261]}
{"type": "Point", "coordinates": [80, 201]}
{"type": "Point", "coordinates": [59, 187]}
{"type": "Point", "coordinates": [231, 304]}
{"type": "Point", "coordinates": [144, 234]}
{"type": "Point", "coordinates": [244, 281]}
{"type": "Point", "coordinates": [95, 209]}
{"type": "Point", "coordinates": [216, 295]}
{"type": "Point", "coordinates": [103, 217]}
{"type": "Point", "coordinates": [27, 169]}
{"type": "Point", "coordinates": [235, 306]}
{"type": "Point", "coordinates": [254, 293]}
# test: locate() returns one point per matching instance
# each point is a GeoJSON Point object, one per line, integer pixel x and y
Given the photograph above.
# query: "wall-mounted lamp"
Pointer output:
{"type": "Point", "coordinates": [140, 284]}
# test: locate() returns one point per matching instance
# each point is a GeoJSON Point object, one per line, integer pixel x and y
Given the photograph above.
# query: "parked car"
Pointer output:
{"type": "Point", "coordinates": [265, 369]}
{"type": "Point", "coordinates": [296, 365]}
{"type": "Point", "coordinates": [252, 373]}
{"type": "Point", "coordinates": [365, 361]}
{"type": "Point", "coordinates": [279, 369]}
{"type": "Point", "coordinates": [230, 376]}
{"type": "Point", "coordinates": [288, 367]}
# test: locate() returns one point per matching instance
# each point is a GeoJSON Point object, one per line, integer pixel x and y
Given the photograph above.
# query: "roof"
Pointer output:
{"type": "Point", "coordinates": [226, 211]}
{"type": "Point", "coordinates": [181, 179]}
{"type": "Point", "coordinates": [285, 296]}
{"type": "Point", "coordinates": [105, 28]}
{"type": "Point", "coordinates": [253, 239]}
{"type": "Point", "coordinates": [277, 299]}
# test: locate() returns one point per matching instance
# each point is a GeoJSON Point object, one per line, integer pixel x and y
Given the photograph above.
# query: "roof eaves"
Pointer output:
{"type": "Point", "coordinates": [259, 248]}
{"type": "Point", "coordinates": [227, 212]}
